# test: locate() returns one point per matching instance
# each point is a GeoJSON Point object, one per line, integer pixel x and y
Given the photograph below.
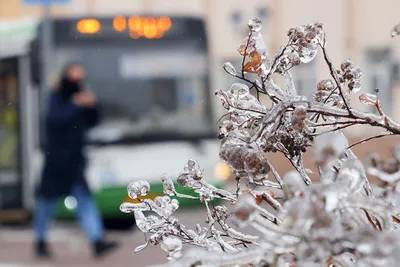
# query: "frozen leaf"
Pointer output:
{"type": "Point", "coordinates": [307, 53]}
{"type": "Point", "coordinates": [138, 189]}
{"type": "Point", "coordinates": [300, 112]}
{"type": "Point", "coordinates": [255, 24]}
{"type": "Point", "coordinates": [326, 85]}
{"type": "Point", "coordinates": [369, 99]}
{"type": "Point", "coordinates": [355, 86]}
{"type": "Point", "coordinates": [229, 68]}
{"type": "Point", "coordinates": [346, 65]}
{"type": "Point", "coordinates": [168, 185]}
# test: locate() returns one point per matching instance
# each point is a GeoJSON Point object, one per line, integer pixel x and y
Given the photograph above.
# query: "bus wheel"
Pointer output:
{"type": "Point", "coordinates": [119, 224]}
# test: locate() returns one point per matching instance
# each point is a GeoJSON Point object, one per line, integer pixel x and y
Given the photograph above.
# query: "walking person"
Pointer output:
{"type": "Point", "coordinates": [71, 111]}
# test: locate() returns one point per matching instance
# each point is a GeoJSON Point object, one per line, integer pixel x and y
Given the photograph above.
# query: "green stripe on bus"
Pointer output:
{"type": "Point", "coordinates": [110, 199]}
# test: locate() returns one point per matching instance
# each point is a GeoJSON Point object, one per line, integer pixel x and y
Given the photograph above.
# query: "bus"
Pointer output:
{"type": "Point", "coordinates": [150, 76]}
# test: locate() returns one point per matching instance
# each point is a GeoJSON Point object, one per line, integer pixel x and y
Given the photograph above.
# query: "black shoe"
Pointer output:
{"type": "Point", "coordinates": [101, 248]}
{"type": "Point", "coordinates": [42, 250]}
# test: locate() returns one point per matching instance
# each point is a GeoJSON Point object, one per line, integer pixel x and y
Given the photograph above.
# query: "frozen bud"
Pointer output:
{"type": "Point", "coordinates": [162, 201]}
{"type": "Point", "coordinates": [395, 30]}
{"type": "Point", "coordinates": [192, 163]}
{"type": "Point", "coordinates": [307, 52]}
{"type": "Point", "coordinates": [357, 73]}
{"type": "Point", "coordinates": [296, 60]}
{"type": "Point", "coordinates": [327, 147]}
{"type": "Point", "coordinates": [168, 185]}
{"type": "Point", "coordinates": [128, 207]}
{"type": "Point", "coordinates": [346, 64]}
{"type": "Point", "coordinates": [355, 86]}
{"type": "Point", "coordinates": [291, 32]}
{"type": "Point", "coordinates": [138, 189]}
{"type": "Point", "coordinates": [229, 68]}
{"type": "Point", "coordinates": [310, 36]}
{"type": "Point", "coordinates": [319, 26]}
{"type": "Point", "coordinates": [171, 244]}
{"type": "Point", "coordinates": [244, 207]}
{"type": "Point", "coordinates": [300, 112]}
{"type": "Point", "coordinates": [194, 169]}
{"type": "Point", "coordinates": [320, 96]}
{"type": "Point", "coordinates": [369, 99]}
{"type": "Point", "coordinates": [255, 25]}
{"type": "Point", "coordinates": [191, 175]}
{"type": "Point", "coordinates": [182, 180]}
{"type": "Point", "coordinates": [325, 85]}
{"type": "Point", "coordinates": [297, 124]}
{"type": "Point", "coordinates": [221, 209]}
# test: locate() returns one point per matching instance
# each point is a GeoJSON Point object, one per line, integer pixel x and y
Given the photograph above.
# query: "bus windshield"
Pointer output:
{"type": "Point", "coordinates": [153, 90]}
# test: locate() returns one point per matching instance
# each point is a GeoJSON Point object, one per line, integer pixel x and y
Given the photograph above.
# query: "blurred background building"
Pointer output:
{"type": "Point", "coordinates": [357, 29]}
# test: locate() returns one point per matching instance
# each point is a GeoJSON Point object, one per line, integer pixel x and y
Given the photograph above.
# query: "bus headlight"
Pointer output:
{"type": "Point", "coordinates": [70, 203]}
{"type": "Point", "coordinates": [222, 171]}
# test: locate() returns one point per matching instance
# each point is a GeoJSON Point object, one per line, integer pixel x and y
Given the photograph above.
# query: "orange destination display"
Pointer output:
{"type": "Point", "coordinates": [136, 26]}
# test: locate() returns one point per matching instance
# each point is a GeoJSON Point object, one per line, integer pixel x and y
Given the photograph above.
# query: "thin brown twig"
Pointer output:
{"type": "Point", "coordinates": [276, 60]}
{"type": "Point", "coordinates": [275, 173]}
{"type": "Point", "coordinates": [326, 100]}
{"type": "Point", "coordinates": [335, 129]}
{"type": "Point", "coordinates": [370, 138]}
{"type": "Point", "coordinates": [259, 90]}
{"type": "Point", "coordinates": [333, 71]}
{"type": "Point", "coordinates": [339, 122]}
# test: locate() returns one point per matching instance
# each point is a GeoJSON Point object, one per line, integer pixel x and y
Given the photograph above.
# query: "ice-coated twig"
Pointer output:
{"type": "Point", "coordinates": [276, 174]}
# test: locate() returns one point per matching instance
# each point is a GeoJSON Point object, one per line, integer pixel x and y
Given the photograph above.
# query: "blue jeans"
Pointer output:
{"type": "Point", "coordinates": [88, 215]}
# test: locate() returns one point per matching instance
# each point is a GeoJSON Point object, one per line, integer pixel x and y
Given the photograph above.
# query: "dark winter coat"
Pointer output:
{"type": "Point", "coordinates": [66, 126]}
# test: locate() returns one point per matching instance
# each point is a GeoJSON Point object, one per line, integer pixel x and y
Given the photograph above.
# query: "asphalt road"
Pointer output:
{"type": "Point", "coordinates": [70, 247]}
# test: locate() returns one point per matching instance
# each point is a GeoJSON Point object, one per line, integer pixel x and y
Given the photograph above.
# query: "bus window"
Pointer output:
{"type": "Point", "coordinates": [10, 176]}
{"type": "Point", "coordinates": [146, 86]}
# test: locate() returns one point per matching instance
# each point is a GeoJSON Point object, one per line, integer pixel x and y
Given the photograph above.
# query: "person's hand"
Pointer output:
{"type": "Point", "coordinates": [84, 99]}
